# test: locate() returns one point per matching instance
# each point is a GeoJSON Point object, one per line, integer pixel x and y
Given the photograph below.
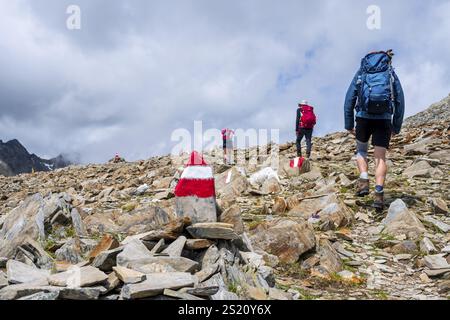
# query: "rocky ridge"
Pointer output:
{"type": "Point", "coordinates": [15, 159]}
{"type": "Point", "coordinates": [111, 232]}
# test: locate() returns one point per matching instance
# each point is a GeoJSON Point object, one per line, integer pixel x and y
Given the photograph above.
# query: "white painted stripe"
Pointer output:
{"type": "Point", "coordinates": [197, 172]}
{"type": "Point", "coordinates": [296, 161]}
{"type": "Point", "coordinates": [229, 177]}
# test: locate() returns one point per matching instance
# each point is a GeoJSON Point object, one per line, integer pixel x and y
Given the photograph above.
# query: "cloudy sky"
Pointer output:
{"type": "Point", "coordinates": [139, 69]}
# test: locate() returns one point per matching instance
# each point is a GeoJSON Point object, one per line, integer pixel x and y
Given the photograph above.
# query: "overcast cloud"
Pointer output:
{"type": "Point", "coordinates": [139, 69]}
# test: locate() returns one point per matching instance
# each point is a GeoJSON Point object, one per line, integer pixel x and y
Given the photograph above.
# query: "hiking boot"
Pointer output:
{"type": "Point", "coordinates": [363, 187]}
{"type": "Point", "coordinates": [378, 204]}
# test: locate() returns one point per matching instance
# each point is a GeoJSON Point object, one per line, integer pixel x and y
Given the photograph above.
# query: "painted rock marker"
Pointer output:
{"type": "Point", "coordinates": [195, 192]}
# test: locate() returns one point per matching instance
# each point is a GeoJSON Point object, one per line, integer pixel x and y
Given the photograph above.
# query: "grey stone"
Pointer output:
{"type": "Point", "coordinates": [19, 272]}
{"type": "Point", "coordinates": [26, 220]}
{"type": "Point", "coordinates": [180, 264]}
{"type": "Point", "coordinates": [212, 231]}
{"type": "Point", "coordinates": [128, 275]}
{"type": "Point", "coordinates": [277, 294]}
{"type": "Point", "coordinates": [176, 248]}
{"type": "Point", "coordinates": [202, 292]}
{"type": "Point", "coordinates": [435, 262]}
{"type": "Point", "coordinates": [78, 277]}
{"type": "Point", "coordinates": [197, 209]}
{"type": "Point", "coordinates": [156, 283]}
{"type": "Point", "coordinates": [80, 293]}
{"type": "Point", "coordinates": [223, 293]}
{"type": "Point", "coordinates": [133, 251]}
{"type": "Point", "coordinates": [42, 296]}
{"type": "Point", "coordinates": [438, 224]}
{"type": "Point", "coordinates": [77, 223]}
{"type": "Point", "coordinates": [17, 291]}
{"type": "Point", "coordinates": [427, 247]}
{"type": "Point", "coordinates": [285, 238]}
{"type": "Point", "coordinates": [180, 295]}
{"type": "Point", "coordinates": [106, 260]}
{"type": "Point", "coordinates": [3, 280]}
{"type": "Point", "coordinates": [401, 221]}
{"type": "Point", "coordinates": [233, 216]}
{"type": "Point", "coordinates": [111, 283]}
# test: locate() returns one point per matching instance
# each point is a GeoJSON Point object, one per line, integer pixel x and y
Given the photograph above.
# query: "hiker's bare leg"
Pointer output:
{"type": "Point", "coordinates": [380, 165]}
{"type": "Point", "coordinates": [361, 156]}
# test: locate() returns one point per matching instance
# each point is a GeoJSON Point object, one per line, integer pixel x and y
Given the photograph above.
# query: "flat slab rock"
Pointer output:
{"type": "Point", "coordinates": [19, 272]}
{"type": "Point", "coordinates": [149, 265]}
{"type": "Point", "coordinates": [156, 283]}
{"type": "Point", "coordinates": [78, 277]}
{"type": "Point", "coordinates": [128, 275]}
{"type": "Point", "coordinates": [215, 230]}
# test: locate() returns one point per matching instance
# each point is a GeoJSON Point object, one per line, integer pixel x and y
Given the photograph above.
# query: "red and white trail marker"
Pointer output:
{"type": "Point", "coordinates": [297, 162]}
{"type": "Point", "coordinates": [195, 192]}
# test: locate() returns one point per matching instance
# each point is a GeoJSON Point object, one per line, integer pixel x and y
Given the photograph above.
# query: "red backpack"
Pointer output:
{"type": "Point", "coordinates": [308, 119]}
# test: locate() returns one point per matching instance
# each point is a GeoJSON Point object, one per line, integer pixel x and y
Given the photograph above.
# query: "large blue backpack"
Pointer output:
{"type": "Point", "coordinates": [376, 84]}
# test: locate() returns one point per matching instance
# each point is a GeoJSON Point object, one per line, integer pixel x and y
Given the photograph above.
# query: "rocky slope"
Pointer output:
{"type": "Point", "coordinates": [111, 231]}
{"type": "Point", "coordinates": [15, 159]}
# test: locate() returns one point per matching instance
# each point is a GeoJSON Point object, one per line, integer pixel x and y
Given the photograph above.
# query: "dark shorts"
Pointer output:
{"type": "Point", "coordinates": [380, 130]}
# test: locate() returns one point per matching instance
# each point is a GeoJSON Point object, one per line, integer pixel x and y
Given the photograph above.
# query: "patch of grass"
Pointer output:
{"type": "Point", "coordinates": [305, 295]}
{"type": "Point", "coordinates": [344, 189]}
{"type": "Point", "coordinates": [129, 207]}
{"type": "Point", "coordinates": [70, 232]}
{"type": "Point", "coordinates": [381, 295]}
{"type": "Point", "coordinates": [253, 224]}
{"type": "Point", "coordinates": [388, 237]}
{"type": "Point", "coordinates": [233, 287]}
{"type": "Point", "coordinates": [293, 270]}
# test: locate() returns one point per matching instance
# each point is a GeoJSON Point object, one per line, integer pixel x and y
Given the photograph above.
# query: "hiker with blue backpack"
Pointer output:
{"type": "Point", "coordinates": [304, 126]}
{"type": "Point", "coordinates": [377, 96]}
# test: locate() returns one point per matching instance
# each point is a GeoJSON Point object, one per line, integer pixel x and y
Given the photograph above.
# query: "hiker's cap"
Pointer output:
{"type": "Point", "coordinates": [304, 103]}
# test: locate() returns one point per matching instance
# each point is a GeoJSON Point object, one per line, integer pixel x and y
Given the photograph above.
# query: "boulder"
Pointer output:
{"type": "Point", "coordinates": [106, 260]}
{"type": "Point", "coordinates": [77, 223]}
{"type": "Point", "coordinates": [231, 184]}
{"type": "Point", "coordinates": [175, 248]}
{"type": "Point", "coordinates": [23, 222]}
{"type": "Point", "coordinates": [233, 216]}
{"type": "Point", "coordinates": [108, 242]}
{"type": "Point", "coordinates": [285, 238]}
{"type": "Point", "coordinates": [133, 251]}
{"type": "Point", "coordinates": [401, 221]}
{"type": "Point", "coordinates": [327, 209]}
{"type": "Point", "coordinates": [422, 169]}
{"type": "Point", "coordinates": [329, 260]}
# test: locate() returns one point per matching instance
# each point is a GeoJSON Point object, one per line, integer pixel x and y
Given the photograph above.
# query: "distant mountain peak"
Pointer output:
{"type": "Point", "coordinates": [15, 159]}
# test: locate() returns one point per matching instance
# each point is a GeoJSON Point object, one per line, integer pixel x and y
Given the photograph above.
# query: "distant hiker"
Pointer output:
{"type": "Point", "coordinates": [304, 126]}
{"type": "Point", "coordinates": [228, 148]}
{"type": "Point", "coordinates": [377, 95]}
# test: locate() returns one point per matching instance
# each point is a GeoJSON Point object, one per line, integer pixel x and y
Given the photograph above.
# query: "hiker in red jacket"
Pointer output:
{"type": "Point", "coordinates": [227, 137]}
{"type": "Point", "coordinates": [304, 126]}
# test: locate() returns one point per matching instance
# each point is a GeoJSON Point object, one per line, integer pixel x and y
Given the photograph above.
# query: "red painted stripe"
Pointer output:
{"type": "Point", "coordinates": [196, 159]}
{"type": "Point", "coordinates": [192, 187]}
{"type": "Point", "coordinates": [300, 162]}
